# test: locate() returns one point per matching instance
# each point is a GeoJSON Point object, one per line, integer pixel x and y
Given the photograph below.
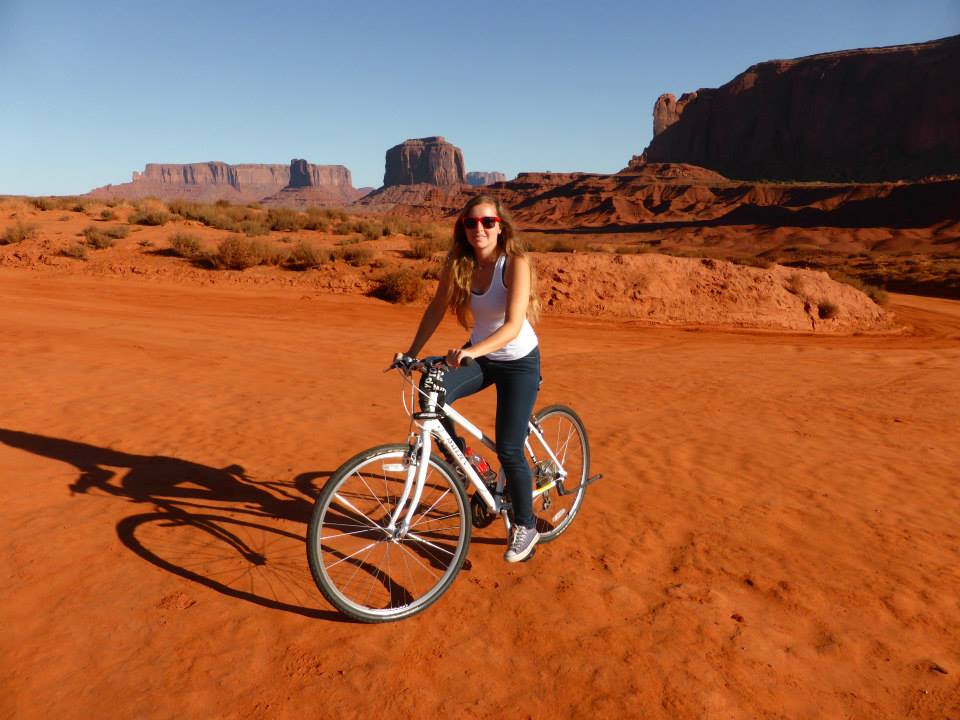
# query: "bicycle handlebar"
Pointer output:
{"type": "Point", "coordinates": [406, 364]}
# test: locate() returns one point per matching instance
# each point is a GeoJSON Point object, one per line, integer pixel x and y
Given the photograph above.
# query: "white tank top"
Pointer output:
{"type": "Point", "coordinates": [489, 313]}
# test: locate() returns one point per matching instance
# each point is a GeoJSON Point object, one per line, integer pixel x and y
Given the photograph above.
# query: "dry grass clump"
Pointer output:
{"type": "Point", "coordinates": [18, 233]}
{"type": "Point", "coordinates": [426, 248]}
{"type": "Point", "coordinates": [306, 255]}
{"type": "Point", "coordinates": [74, 204]}
{"type": "Point", "coordinates": [186, 246]}
{"type": "Point", "coordinates": [414, 228]}
{"type": "Point", "coordinates": [223, 216]}
{"type": "Point", "coordinates": [876, 294]}
{"type": "Point", "coordinates": [102, 238]}
{"type": "Point", "coordinates": [149, 212]}
{"type": "Point", "coordinates": [355, 256]}
{"type": "Point", "coordinates": [77, 251]}
{"type": "Point", "coordinates": [236, 253]}
{"type": "Point", "coordinates": [108, 214]}
{"type": "Point", "coordinates": [400, 286]}
{"type": "Point", "coordinates": [368, 228]}
{"type": "Point", "coordinates": [285, 219]}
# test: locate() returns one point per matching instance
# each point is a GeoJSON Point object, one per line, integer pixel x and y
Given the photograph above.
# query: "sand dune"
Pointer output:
{"type": "Point", "coordinates": [775, 536]}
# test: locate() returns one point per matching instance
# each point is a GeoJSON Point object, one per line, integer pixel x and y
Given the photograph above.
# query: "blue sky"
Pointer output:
{"type": "Point", "coordinates": [90, 92]}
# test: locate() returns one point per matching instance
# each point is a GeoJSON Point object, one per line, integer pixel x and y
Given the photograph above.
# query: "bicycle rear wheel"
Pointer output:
{"type": "Point", "coordinates": [556, 506]}
{"type": "Point", "coordinates": [361, 567]}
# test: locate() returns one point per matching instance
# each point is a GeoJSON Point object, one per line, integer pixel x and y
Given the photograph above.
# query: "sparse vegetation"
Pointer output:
{"type": "Point", "coordinates": [236, 253]}
{"type": "Point", "coordinates": [425, 248]}
{"type": "Point", "coordinates": [223, 216]}
{"type": "Point", "coordinates": [108, 214]}
{"type": "Point", "coordinates": [102, 238]}
{"type": "Point", "coordinates": [18, 233]}
{"type": "Point", "coordinates": [355, 255]}
{"type": "Point", "coordinates": [306, 255]}
{"type": "Point", "coordinates": [285, 219]}
{"type": "Point", "coordinates": [150, 212]}
{"type": "Point", "coordinates": [73, 204]}
{"type": "Point", "coordinates": [186, 246]}
{"type": "Point", "coordinates": [876, 294]}
{"type": "Point", "coordinates": [400, 286]}
{"type": "Point", "coordinates": [77, 251]}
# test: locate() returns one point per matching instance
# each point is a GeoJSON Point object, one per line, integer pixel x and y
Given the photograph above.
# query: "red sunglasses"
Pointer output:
{"type": "Point", "coordinates": [470, 223]}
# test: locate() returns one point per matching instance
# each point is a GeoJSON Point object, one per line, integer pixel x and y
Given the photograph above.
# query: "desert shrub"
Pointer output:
{"type": "Point", "coordinates": [305, 255]}
{"type": "Point", "coordinates": [186, 246]}
{"type": "Point", "coordinates": [827, 310]}
{"type": "Point", "coordinates": [253, 228]}
{"type": "Point", "coordinates": [97, 238]}
{"type": "Point", "coordinates": [222, 216]}
{"type": "Point", "coordinates": [876, 294]}
{"type": "Point", "coordinates": [285, 219]}
{"type": "Point", "coordinates": [77, 252]}
{"type": "Point", "coordinates": [18, 233]}
{"type": "Point", "coordinates": [355, 256]}
{"type": "Point", "coordinates": [400, 286]}
{"type": "Point", "coordinates": [343, 227]}
{"type": "Point", "coordinates": [117, 231]}
{"type": "Point", "coordinates": [425, 248]}
{"type": "Point", "coordinates": [236, 253]}
{"type": "Point", "coordinates": [108, 215]}
{"type": "Point", "coordinates": [100, 238]}
{"type": "Point", "coordinates": [149, 216]}
{"type": "Point", "coordinates": [46, 203]}
{"type": "Point", "coordinates": [316, 219]}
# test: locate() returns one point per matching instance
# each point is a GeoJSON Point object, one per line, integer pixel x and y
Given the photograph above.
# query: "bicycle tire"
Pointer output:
{"type": "Point", "coordinates": [564, 432]}
{"type": "Point", "coordinates": [364, 572]}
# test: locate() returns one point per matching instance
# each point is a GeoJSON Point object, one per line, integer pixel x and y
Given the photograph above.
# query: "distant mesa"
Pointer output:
{"type": "Point", "coordinates": [430, 160]}
{"type": "Point", "coordinates": [485, 178]}
{"type": "Point", "coordinates": [867, 115]}
{"type": "Point", "coordinates": [212, 181]}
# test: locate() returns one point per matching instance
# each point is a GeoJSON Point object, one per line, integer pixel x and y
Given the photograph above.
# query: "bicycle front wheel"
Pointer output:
{"type": "Point", "coordinates": [370, 572]}
{"type": "Point", "coordinates": [555, 501]}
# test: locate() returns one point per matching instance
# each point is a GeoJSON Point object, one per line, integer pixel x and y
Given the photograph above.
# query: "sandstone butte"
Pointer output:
{"type": "Point", "coordinates": [430, 160]}
{"type": "Point", "coordinates": [875, 114]}
{"type": "Point", "coordinates": [211, 181]}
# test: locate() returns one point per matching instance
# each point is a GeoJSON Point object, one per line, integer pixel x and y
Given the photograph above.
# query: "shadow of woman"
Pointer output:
{"type": "Point", "coordinates": [253, 560]}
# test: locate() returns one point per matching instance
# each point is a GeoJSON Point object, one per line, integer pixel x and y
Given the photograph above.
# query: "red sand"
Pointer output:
{"type": "Point", "coordinates": [776, 534]}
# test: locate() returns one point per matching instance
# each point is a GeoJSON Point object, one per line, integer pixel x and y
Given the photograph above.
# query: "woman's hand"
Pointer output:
{"type": "Point", "coordinates": [457, 356]}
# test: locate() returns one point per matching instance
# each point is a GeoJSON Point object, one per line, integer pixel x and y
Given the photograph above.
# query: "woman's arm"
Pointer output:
{"type": "Point", "coordinates": [518, 297]}
{"type": "Point", "coordinates": [432, 315]}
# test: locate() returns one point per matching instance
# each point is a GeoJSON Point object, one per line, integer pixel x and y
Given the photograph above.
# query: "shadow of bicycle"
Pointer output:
{"type": "Point", "coordinates": [216, 527]}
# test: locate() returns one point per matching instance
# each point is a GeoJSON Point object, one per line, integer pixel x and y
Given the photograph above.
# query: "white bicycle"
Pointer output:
{"type": "Point", "coordinates": [391, 528]}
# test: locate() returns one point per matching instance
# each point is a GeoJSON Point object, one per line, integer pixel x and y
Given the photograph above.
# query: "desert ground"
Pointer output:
{"type": "Point", "coordinates": [776, 534]}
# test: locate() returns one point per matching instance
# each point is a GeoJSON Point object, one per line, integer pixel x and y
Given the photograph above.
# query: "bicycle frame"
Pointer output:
{"type": "Point", "coordinates": [429, 426]}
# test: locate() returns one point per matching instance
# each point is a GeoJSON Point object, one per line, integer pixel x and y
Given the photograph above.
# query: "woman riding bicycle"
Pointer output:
{"type": "Point", "coordinates": [489, 283]}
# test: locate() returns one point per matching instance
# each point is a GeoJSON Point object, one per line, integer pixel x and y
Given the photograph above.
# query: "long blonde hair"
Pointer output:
{"type": "Point", "coordinates": [462, 261]}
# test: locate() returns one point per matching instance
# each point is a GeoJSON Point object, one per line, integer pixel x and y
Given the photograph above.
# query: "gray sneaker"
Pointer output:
{"type": "Point", "coordinates": [521, 544]}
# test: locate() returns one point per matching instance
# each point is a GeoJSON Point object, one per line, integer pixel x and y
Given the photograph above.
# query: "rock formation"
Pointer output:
{"type": "Point", "coordinates": [485, 178]}
{"type": "Point", "coordinates": [430, 160]}
{"type": "Point", "coordinates": [211, 181]}
{"type": "Point", "coordinates": [859, 115]}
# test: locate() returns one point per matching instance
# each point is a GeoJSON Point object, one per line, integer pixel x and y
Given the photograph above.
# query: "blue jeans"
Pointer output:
{"type": "Point", "coordinates": [517, 384]}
